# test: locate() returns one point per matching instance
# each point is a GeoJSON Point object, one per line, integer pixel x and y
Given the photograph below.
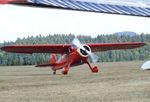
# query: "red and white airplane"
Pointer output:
{"type": "Point", "coordinates": [76, 53]}
{"type": "Point", "coordinates": [72, 54]}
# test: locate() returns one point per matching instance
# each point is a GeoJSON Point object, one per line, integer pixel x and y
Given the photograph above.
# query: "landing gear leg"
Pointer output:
{"type": "Point", "coordinates": [94, 69]}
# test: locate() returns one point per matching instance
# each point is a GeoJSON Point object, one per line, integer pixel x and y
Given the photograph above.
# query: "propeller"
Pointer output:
{"type": "Point", "coordinates": [76, 43]}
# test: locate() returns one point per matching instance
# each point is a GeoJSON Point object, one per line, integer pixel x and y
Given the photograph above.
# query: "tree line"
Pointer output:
{"type": "Point", "coordinates": [108, 56]}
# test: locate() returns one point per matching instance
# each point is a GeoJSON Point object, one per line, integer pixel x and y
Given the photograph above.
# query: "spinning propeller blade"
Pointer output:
{"type": "Point", "coordinates": [94, 57]}
{"type": "Point", "coordinates": [78, 44]}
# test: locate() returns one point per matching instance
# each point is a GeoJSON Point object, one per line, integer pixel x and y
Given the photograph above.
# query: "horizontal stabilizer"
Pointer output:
{"type": "Point", "coordinates": [44, 65]}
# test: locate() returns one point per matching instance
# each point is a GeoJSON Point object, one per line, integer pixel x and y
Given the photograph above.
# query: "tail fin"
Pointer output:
{"type": "Point", "coordinates": [53, 59]}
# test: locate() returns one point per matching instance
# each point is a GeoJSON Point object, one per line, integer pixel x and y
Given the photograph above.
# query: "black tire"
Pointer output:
{"type": "Point", "coordinates": [54, 72]}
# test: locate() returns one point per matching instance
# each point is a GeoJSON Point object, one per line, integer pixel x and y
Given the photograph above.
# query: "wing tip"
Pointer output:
{"type": "Point", "coordinates": [138, 44]}
{"type": "Point", "coordinates": [2, 48]}
{"type": "Point", "coordinates": [143, 44]}
{"type": "Point", "coordinates": [5, 48]}
{"type": "Point", "coordinates": [9, 49]}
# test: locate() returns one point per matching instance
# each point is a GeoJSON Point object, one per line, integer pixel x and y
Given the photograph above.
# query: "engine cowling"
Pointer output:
{"type": "Point", "coordinates": [84, 50]}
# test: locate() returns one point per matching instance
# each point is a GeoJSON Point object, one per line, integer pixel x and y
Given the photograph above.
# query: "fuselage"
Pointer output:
{"type": "Point", "coordinates": [74, 58]}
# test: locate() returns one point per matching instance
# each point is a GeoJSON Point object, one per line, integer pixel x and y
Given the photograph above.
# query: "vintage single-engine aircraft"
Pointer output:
{"type": "Point", "coordinates": [72, 54]}
{"type": "Point", "coordinates": [77, 53]}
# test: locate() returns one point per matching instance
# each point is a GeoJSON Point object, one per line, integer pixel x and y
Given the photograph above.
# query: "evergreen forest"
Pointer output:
{"type": "Point", "coordinates": [141, 54]}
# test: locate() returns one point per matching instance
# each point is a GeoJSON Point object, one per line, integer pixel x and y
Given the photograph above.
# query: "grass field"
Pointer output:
{"type": "Point", "coordinates": [117, 82]}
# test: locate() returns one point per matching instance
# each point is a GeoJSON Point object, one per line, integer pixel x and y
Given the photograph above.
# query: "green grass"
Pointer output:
{"type": "Point", "coordinates": [121, 81]}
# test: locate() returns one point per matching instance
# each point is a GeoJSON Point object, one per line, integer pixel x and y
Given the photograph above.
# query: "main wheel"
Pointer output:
{"type": "Point", "coordinates": [95, 69]}
{"type": "Point", "coordinates": [65, 72]}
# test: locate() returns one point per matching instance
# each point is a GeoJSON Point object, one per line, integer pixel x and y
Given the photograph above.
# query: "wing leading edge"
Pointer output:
{"type": "Point", "coordinates": [132, 10]}
{"type": "Point", "coordinates": [64, 48]}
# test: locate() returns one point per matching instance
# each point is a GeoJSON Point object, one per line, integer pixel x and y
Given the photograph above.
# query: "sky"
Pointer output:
{"type": "Point", "coordinates": [18, 22]}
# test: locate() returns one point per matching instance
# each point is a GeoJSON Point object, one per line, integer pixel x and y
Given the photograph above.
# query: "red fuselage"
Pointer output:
{"type": "Point", "coordinates": [74, 58]}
